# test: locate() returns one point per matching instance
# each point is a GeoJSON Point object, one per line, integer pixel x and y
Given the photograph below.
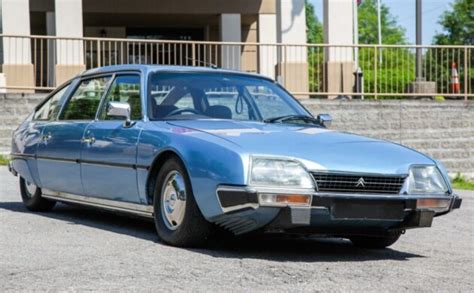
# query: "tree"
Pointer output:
{"type": "Point", "coordinates": [458, 29]}
{"type": "Point", "coordinates": [396, 70]}
{"type": "Point", "coordinates": [392, 76]}
{"type": "Point", "coordinates": [458, 24]}
{"type": "Point", "coordinates": [392, 32]}
{"type": "Point", "coordinates": [313, 25]}
{"type": "Point", "coordinates": [315, 54]}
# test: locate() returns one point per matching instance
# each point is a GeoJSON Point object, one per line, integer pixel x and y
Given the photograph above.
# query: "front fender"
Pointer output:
{"type": "Point", "coordinates": [209, 160]}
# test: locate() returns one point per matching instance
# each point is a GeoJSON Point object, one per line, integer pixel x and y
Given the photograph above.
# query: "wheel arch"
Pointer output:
{"type": "Point", "coordinates": [208, 164]}
{"type": "Point", "coordinates": [155, 168]}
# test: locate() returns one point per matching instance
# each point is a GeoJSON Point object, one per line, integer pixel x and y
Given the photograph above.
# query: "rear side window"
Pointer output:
{"type": "Point", "coordinates": [50, 110]}
{"type": "Point", "coordinates": [84, 102]}
{"type": "Point", "coordinates": [125, 89]}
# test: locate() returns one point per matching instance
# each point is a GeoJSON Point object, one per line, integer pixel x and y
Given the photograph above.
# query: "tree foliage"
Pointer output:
{"type": "Point", "coordinates": [458, 24]}
{"type": "Point", "coordinates": [392, 32]}
{"type": "Point", "coordinates": [458, 29]}
{"type": "Point", "coordinates": [313, 25]}
{"type": "Point", "coordinates": [396, 70]}
{"type": "Point", "coordinates": [315, 54]}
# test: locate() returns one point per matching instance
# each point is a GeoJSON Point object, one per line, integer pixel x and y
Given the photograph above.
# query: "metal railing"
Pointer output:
{"type": "Point", "coordinates": [314, 70]}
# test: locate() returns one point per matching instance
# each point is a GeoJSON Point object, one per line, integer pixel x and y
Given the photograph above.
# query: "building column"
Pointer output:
{"type": "Point", "coordinates": [267, 54]}
{"type": "Point", "coordinates": [231, 31]}
{"type": "Point", "coordinates": [338, 30]}
{"type": "Point", "coordinates": [17, 67]}
{"type": "Point", "coordinates": [292, 68]}
{"type": "Point", "coordinates": [70, 53]}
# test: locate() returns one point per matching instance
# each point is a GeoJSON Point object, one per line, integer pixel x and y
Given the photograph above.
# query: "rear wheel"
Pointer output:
{"type": "Point", "coordinates": [178, 220]}
{"type": "Point", "coordinates": [32, 199]}
{"type": "Point", "coordinates": [374, 242]}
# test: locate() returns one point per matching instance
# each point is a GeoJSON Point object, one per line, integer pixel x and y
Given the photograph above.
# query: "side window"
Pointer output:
{"type": "Point", "coordinates": [50, 109]}
{"type": "Point", "coordinates": [84, 102]}
{"type": "Point", "coordinates": [125, 89]}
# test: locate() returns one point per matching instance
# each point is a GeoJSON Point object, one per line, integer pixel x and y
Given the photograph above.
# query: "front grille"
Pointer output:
{"type": "Point", "coordinates": [361, 184]}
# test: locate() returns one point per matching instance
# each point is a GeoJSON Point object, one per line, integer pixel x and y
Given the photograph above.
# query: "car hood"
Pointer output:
{"type": "Point", "coordinates": [317, 148]}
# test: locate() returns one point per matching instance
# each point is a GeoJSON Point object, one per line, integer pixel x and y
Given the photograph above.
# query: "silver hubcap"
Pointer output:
{"type": "Point", "coordinates": [31, 188]}
{"type": "Point", "coordinates": [173, 200]}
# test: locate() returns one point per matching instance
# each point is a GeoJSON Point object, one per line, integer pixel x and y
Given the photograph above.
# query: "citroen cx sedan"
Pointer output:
{"type": "Point", "coordinates": [199, 150]}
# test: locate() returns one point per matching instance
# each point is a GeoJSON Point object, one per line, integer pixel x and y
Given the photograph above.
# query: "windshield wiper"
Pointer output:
{"type": "Point", "coordinates": [286, 118]}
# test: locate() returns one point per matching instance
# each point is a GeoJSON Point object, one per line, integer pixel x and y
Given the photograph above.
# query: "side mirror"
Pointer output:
{"type": "Point", "coordinates": [325, 120]}
{"type": "Point", "coordinates": [121, 110]}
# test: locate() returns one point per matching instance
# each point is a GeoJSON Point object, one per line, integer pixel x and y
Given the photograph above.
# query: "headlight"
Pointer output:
{"type": "Point", "coordinates": [426, 179]}
{"type": "Point", "coordinates": [279, 173]}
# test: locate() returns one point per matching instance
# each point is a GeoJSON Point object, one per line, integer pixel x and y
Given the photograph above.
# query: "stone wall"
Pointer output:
{"type": "Point", "coordinates": [444, 130]}
{"type": "Point", "coordinates": [13, 110]}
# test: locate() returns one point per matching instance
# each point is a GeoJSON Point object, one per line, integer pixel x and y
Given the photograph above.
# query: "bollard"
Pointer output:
{"type": "Point", "coordinates": [359, 83]}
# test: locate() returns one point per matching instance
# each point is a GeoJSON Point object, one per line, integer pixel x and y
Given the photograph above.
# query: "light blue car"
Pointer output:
{"type": "Point", "coordinates": [199, 150]}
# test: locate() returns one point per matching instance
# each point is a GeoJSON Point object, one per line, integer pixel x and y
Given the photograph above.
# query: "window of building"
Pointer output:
{"type": "Point", "coordinates": [86, 99]}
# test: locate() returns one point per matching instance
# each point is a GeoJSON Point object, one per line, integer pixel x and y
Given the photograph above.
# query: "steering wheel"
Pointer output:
{"type": "Point", "coordinates": [183, 110]}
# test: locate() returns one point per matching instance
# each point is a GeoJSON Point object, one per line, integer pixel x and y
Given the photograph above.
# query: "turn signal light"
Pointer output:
{"type": "Point", "coordinates": [270, 199]}
{"type": "Point", "coordinates": [433, 203]}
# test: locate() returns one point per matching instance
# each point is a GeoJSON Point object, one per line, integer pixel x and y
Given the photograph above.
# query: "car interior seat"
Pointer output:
{"type": "Point", "coordinates": [219, 112]}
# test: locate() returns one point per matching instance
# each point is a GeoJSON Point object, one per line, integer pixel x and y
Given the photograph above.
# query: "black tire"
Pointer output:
{"type": "Point", "coordinates": [194, 230]}
{"type": "Point", "coordinates": [34, 201]}
{"type": "Point", "coordinates": [374, 242]}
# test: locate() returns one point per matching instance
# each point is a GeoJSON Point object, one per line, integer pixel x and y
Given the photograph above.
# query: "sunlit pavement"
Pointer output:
{"type": "Point", "coordinates": [75, 248]}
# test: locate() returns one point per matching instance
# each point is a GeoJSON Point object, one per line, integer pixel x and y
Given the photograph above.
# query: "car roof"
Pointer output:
{"type": "Point", "coordinates": [165, 68]}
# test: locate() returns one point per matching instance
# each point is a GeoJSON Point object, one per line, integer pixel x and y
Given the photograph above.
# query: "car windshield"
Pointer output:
{"type": "Point", "coordinates": [221, 96]}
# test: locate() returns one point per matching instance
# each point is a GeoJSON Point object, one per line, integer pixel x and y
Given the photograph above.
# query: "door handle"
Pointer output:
{"type": "Point", "coordinates": [88, 140]}
{"type": "Point", "coordinates": [47, 137]}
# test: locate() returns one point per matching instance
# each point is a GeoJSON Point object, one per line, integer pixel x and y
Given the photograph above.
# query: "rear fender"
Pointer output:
{"type": "Point", "coordinates": [22, 167]}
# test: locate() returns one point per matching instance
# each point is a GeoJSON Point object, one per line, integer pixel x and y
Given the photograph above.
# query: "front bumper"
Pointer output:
{"type": "Point", "coordinates": [334, 214]}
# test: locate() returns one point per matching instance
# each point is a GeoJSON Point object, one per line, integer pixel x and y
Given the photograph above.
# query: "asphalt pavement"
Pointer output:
{"type": "Point", "coordinates": [74, 248]}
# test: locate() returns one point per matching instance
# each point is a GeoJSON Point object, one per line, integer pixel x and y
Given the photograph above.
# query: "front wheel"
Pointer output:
{"type": "Point", "coordinates": [374, 242]}
{"type": "Point", "coordinates": [32, 199]}
{"type": "Point", "coordinates": [178, 220]}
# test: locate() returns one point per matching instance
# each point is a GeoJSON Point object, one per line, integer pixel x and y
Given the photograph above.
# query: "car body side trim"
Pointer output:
{"type": "Point", "coordinates": [78, 161]}
{"type": "Point", "coordinates": [22, 156]}
{"type": "Point", "coordinates": [63, 160]}
{"type": "Point", "coordinates": [131, 208]}
{"type": "Point", "coordinates": [109, 164]}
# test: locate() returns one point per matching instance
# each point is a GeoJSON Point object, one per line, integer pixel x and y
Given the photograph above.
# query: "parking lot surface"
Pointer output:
{"type": "Point", "coordinates": [79, 249]}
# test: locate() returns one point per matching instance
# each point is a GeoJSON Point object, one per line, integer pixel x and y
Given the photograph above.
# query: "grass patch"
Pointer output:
{"type": "Point", "coordinates": [460, 182]}
{"type": "Point", "coordinates": [3, 160]}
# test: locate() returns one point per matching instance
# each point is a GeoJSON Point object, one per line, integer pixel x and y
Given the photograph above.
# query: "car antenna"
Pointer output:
{"type": "Point", "coordinates": [212, 65]}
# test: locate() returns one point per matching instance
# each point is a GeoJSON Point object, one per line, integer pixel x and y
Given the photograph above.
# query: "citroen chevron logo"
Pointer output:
{"type": "Point", "coordinates": [360, 182]}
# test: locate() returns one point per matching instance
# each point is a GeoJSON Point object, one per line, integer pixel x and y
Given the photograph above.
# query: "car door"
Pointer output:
{"type": "Point", "coordinates": [29, 135]}
{"type": "Point", "coordinates": [59, 151]}
{"type": "Point", "coordinates": [109, 158]}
